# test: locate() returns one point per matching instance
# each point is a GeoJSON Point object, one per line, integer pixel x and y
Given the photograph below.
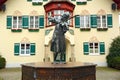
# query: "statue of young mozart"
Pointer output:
{"type": "Point", "coordinates": [58, 45]}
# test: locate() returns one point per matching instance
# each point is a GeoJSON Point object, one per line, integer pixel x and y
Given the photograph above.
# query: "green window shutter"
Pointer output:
{"type": "Point", "coordinates": [9, 22]}
{"type": "Point", "coordinates": [93, 21]}
{"type": "Point", "coordinates": [41, 21]}
{"type": "Point", "coordinates": [45, 0]}
{"type": "Point", "coordinates": [29, 0]}
{"type": "Point", "coordinates": [77, 22]}
{"type": "Point", "coordinates": [32, 48]}
{"type": "Point", "coordinates": [73, 0]}
{"type": "Point", "coordinates": [86, 48]}
{"type": "Point", "coordinates": [109, 20]}
{"type": "Point", "coordinates": [81, 3]}
{"type": "Point", "coordinates": [102, 48]}
{"type": "Point", "coordinates": [25, 21]}
{"type": "Point", "coordinates": [16, 48]}
{"type": "Point", "coordinates": [37, 3]}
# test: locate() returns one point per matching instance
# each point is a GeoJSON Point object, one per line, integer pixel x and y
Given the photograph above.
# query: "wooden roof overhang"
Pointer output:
{"type": "Point", "coordinates": [2, 5]}
{"type": "Point", "coordinates": [59, 4]}
{"type": "Point", "coordinates": [2, 2]}
{"type": "Point", "coordinates": [118, 3]}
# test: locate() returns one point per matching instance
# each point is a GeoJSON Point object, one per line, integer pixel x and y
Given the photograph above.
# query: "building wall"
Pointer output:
{"type": "Point", "coordinates": [102, 36]}
{"type": "Point", "coordinates": [8, 38]}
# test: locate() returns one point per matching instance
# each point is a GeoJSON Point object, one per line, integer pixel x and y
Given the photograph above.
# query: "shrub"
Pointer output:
{"type": "Point", "coordinates": [2, 62]}
{"type": "Point", "coordinates": [113, 58]}
{"type": "Point", "coordinates": [116, 62]}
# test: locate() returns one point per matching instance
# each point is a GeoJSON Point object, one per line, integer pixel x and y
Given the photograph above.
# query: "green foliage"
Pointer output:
{"type": "Point", "coordinates": [116, 62]}
{"type": "Point", "coordinates": [2, 62]}
{"type": "Point", "coordinates": [113, 58]}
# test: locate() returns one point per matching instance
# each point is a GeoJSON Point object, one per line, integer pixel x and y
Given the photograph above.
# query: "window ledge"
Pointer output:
{"type": "Point", "coordinates": [102, 29]}
{"type": "Point", "coordinates": [84, 29]}
{"type": "Point", "coordinates": [94, 54]}
{"type": "Point", "coordinates": [16, 30]}
{"type": "Point", "coordinates": [81, 3]}
{"type": "Point", "coordinates": [54, 25]}
{"type": "Point", "coordinates": [37, 3]}
{"type": "Point", "coordinates": [34, 30]}
{"type": "Point", "coordinates": [24, 55]}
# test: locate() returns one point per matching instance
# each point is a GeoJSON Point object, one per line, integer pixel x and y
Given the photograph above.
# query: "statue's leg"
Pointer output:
{"type": "Point", "coordinates": [61, 55]}
{"type": "Point", "coordinates": [61, 58]}
{"type": "Point", "coordinates": [55, 56]}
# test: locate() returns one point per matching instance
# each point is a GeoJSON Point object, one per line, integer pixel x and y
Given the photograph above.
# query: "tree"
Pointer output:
{"type": "Point", "coordinates": [2, 62]}
{"type": "Point", "coordinates": [113, 58]}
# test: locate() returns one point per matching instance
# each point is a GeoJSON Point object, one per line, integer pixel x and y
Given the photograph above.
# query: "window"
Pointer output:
{"type": "Point", "coordinates": [94, 48]}
{"type": "Point", "coordinates": [34, 22]}
{"type": "Point", "coordinates": [17, 22]}
{"type": "Point", "coordinates": [85, 21]}
{"type": "Point", "coordinates": [82, 22]}
{"type": "Point", "coordinates": [26, 22]}
{"type": "Point", "coordinates": [102, 21]}
{"type": "Point", "coordinates": [57, 15]}
{"type": "Point", "coordinates": [37, 2]}
{"type": "Point", "coordinates": [24, 49]}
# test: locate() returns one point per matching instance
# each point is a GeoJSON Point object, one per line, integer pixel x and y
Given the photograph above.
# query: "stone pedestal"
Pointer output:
{"type": "Point", "coordinates": [72, 59]}
{"type": "Point", "coordinates": [68, 71]}
{"type": "Point", "coordinates": [46, 59]}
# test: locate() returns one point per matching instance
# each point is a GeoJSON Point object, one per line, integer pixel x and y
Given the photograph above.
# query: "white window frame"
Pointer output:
{"type": "Point", "coordinates": [17, 24]}
{"type": "Point", "coordinates": [81, 0]}
{"type": "Point", "coordinates": [49, 14]}
{"type": "Point", "coordinates": [37, 1]}
{"type": "Point", "coordinates": [60, 12]}
{"type": "Point", "coordinates": [25, 50]}
{"type": "Point", "coordinates": [69, 21]}
{"type": "Point", "coordinates": [100, 21]}
{"type": "Point", "coordinates": [83, 22]}
{"type": "Point", "coordinates": [34, 25]}
{"type": "Point", "coordinates": [57, 14]}
{"type": "Point", "coordinates": [93, 51]}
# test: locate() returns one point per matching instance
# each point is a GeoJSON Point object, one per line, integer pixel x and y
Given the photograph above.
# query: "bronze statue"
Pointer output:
{"type": "Point", "coordinates": [58, 45]}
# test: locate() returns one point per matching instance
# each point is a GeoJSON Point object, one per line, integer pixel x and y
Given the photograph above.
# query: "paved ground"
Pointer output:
{"type": "Point", "coordinates": [102, 73]}
{"type": "Point", "coordinates": [107, 74]}
{"type": "Point", "coordinates": [10, 74]}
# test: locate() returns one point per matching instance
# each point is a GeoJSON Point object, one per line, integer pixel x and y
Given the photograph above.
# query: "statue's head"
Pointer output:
{"type": "Point", "coordinates": [65, 16]}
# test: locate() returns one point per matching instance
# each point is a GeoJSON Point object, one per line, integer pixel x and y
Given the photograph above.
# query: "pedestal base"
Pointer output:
{"type": "Point", "coordinates": [68, 71]}
{"type": "Point", "coordinates": [58, 62]}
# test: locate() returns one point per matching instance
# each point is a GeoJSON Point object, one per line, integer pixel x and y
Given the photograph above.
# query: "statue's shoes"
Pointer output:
{"type": "Point", "coordinates": [62, 62]}
{"type": "Point", "coordinates": [55, 62]}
